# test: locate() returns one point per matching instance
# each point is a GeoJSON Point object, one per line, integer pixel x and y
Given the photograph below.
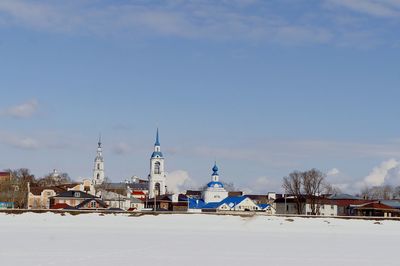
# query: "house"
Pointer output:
{"type": "Point", "coordinates": [241, 203]}
{"type": "Point", "coordinates": [92, 204]}
{"type": "Point", "coordinates": [117, 201]}
{"type": "Point", "coordinates": [5, 176]}
{"type": "Point", "coordinates": [136, 204]}
{"type": "Point", "coordinates": [39, 197]}
{"type": "Point", "coordinates": [71, 198]}
{"type": "Point", "coordinates": [344, 201]}
{"type": "Point", "coordinates": [171, 202]}
{"type": "Point", "coordinates": [376, 209]}
{"type": "Point", "coordinates": [289, 205]}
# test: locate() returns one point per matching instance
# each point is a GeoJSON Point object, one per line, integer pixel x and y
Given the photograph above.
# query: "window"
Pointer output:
{"type": "Point", "coordinates": [77, 194]}
{"type": "Point", "coordinates": [157, 169]}
{"type": "Point", "coordinates": [157, 189]}
{"type": "Point", "coordinates": [332, 207]}
{"type": "Point", "coordinates": [98, 166]}
{"type": "Point", "coordinates": [93, 204]}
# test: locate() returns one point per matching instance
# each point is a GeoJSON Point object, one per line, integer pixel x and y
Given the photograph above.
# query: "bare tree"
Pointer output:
{"type": "Point", "coordinates": [292, 184]}
{"type": "Point", "coordinates": [307, 185]}
{"type": "Point", "coordinates": [53, 179]}
{"type": "Point", "coordinates": [385, 192]}
{"type": "Point", "coordinates": [18, 186]}
{"type": "Point", "coordinates": [312, 182]}
{"type": "Point", "coordinates": [330, 189]}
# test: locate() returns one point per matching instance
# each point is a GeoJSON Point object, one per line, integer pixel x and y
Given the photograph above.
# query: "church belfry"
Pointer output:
{"type": "Point", "coordinates": [98, 170]}
{"type": "Point", "coordinates": [157, 177]}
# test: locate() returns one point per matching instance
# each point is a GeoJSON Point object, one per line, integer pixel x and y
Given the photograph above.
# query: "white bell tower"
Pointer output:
{"type": "Point", "coordinates": [157, 177]}
{"type": "Point", "coordinates": [98, 170]}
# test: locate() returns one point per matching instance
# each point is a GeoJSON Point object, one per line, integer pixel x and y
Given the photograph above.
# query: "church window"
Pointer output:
{"type": "Point", "coordinates": [157, 168]}
{"type": "Point", "coordinates": [98, 176]}
{"type": "Point", "coordinates": [157, 189]}
{"type": "Point", "coordinates": [98, 166]}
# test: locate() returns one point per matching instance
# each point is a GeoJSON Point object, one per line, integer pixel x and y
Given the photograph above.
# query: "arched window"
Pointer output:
{"type": "Point", "coordinates": [157, 169]}
{"type": "Point", "coordinates": [98, 166]}
{"type": "Point", "coordinates": [157, 188]}
{"type": "Point", "coordinates": [98, 176]}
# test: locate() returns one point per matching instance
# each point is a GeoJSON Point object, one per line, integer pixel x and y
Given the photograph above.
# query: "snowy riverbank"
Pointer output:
{"type": "Point", "coordinates": [90, 239]}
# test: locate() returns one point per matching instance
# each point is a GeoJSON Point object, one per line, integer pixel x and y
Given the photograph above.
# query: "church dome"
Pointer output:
{"type": "Point", "coordinates": [215, 168]}
{"type": "Point", "coordinates": [215, 184]}
{"type": "Point", "coordinates": [157, 154]}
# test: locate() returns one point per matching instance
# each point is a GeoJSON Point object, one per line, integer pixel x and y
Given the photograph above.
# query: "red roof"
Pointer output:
{"type": "Point", "coordinates": [348, 202]}
{"type": "Point", "coordinates": [375, 205]}
{"type": "Point", "coordinates": [138, 192]}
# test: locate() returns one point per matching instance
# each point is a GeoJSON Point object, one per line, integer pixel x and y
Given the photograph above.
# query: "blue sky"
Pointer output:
{"type": "Point", "coordinates": [263, 87]}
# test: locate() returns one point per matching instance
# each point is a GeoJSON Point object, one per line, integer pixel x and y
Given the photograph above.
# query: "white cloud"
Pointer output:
{"type": "Point", "coordinates": [263, 185]}
{"type": "Point", "coordinates": [179, 180]}
{"type": "Point", "coordinates": [333, 172]}
{"type": "Point", "coordinates": [121, 148]}
{"type": "Point", "coordinates": [20, 142]}
{"type": "Point", "coordinates": [383, 173]}
{"type": "Point", "coordinates": [377, 8]}
{"type": "Point", "coordinates": [24, 110]}
{"type": "Point", "coordinates": [216, 20]}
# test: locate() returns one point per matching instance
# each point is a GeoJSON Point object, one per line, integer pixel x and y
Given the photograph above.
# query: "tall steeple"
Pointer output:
{"type": "Point", "coordinates": [98, 170]}
{"type": "Point", "coordinates": [157, 139]}
{"type": "Point", "coordinates": [157, 177]}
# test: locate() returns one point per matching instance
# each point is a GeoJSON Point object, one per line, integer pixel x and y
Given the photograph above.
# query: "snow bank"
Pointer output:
{"type": "Point", "coordinates": [90, 239]}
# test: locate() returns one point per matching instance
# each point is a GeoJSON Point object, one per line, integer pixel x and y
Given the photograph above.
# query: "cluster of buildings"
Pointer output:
{"type": "Point", "coordinates": [152, 194]}
{"type": "Point", "coordinates": [138, 194]}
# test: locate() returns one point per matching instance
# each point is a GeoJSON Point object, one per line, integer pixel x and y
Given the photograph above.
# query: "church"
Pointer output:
{"type": "Point", "coordinates": [214, 196]}
{"type": "Point", "coordinates": [156, 179]}
{"type": "Point", "coordinates": [215, 191]}
{"type": "Point", "coordinates": [157, 176]}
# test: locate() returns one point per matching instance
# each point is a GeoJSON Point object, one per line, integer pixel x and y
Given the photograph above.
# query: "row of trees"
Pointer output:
{"type": "Point", "coordinates": [16, 189]}
{"type": "Point", "coordinates": [311, 184]}
{"type": "Point", "coordinates": [385, 192]}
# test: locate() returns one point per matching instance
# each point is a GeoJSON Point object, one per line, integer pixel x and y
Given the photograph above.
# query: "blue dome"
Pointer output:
{"type": "Point", "coordinates": [215, 169]}
{"type": "Point", "coordinates": [215, 184]}
{"type": "Point", "coordinates": [157, 153]}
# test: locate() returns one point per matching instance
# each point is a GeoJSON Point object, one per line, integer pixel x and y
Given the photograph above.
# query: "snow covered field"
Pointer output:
{"type": "Point", "coordinates": [90, 239]}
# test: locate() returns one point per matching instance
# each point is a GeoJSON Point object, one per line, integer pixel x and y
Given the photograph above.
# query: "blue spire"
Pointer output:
{"type": "Point", "coordinates": [215, 169]}
{"type": "Point", "coordinates": [157, 140]}
{"type": "Point", "coordinates": [99, 143]}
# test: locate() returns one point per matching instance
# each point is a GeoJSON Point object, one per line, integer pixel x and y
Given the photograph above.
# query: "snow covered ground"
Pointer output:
{"type": "Point", "coordinates": [90, 239]}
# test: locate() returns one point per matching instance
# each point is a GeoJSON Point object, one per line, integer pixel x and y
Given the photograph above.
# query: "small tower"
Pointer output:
{"type": "Point", "coordinates": [215, 191]}
{"type": "Point", "coordinates": [157, 177]}
{"type": "Point", "coordinates": [98, 171]}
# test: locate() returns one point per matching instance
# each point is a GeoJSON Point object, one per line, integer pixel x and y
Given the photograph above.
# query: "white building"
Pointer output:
{"type": "Point", "coordinates": [98, 170]}
{"type": "Point", "coordinates": [215, 191]}
{"type": "Point", "coordinates": [157, 176]}
{"type": "Point", "coordinates": [325, 207]}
